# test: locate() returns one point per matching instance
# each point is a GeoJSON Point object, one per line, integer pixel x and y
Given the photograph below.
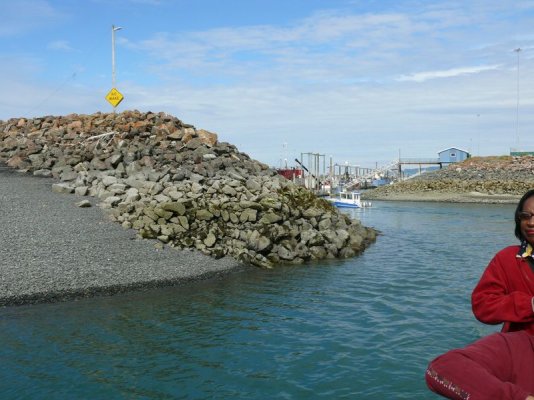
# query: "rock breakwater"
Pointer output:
{"type": "Point", "coordinates": [477, 179]}
{"type": "Point", "coordinates": [172, 182]}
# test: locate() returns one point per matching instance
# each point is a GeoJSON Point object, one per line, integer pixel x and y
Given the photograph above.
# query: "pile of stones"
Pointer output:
{"type": "Point", "coordinates": [506, 175]}
{"type": "Point", "coordinates": [178, 184]}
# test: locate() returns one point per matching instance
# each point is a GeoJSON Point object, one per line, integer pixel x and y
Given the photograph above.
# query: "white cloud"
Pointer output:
{"type": "Point", "coordinates": [61, 45]}
{"type": "Point", "coordinates": [322, 48]}
{"type": "Point", "coordinates": [23, 16]}
{"type": "Point", "coordinates": [449, 73]}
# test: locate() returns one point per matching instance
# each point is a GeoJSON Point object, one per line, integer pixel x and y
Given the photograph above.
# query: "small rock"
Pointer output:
{"type": "Point", "coordinates": [84, 204]}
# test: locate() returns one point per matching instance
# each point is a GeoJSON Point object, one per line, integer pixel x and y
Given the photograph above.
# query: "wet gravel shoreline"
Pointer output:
{"type": "Point", "coordinates": [442, 196]}
{"type": "Point", "coordinates": [52, 250]}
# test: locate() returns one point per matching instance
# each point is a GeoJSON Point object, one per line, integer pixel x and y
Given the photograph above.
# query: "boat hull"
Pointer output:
{"type": "Point", "coordinates": [345, 205]}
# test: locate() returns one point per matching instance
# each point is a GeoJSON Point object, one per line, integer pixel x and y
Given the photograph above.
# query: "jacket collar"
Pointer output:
{"type": "Point", "coordinates": [525, 250]}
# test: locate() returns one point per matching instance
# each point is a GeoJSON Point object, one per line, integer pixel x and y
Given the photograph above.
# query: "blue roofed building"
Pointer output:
{"type": "Point", "coordinates": [453, 155]}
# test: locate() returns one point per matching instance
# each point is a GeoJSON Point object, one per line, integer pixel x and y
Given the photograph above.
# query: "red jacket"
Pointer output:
{"type": "Point", "coordinates": [497, 367]}
{"type": "Point", "coordinates": [505, 291]}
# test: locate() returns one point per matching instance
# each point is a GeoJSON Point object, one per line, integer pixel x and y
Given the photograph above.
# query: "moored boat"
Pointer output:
{"type": "Point", "coordinates": [350, 199]}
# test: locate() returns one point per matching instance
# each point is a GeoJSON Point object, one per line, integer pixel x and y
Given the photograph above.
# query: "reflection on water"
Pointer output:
{"type": "Point", "coordinates": [363, 328]}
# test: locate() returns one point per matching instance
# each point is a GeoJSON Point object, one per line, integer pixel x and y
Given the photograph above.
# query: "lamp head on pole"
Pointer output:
{"type": "Point", "coordinates": [116, 28]}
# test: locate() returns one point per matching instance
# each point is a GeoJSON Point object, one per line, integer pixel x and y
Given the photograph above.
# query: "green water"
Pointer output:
{"type": "Point", "coordinates": [364, 328]}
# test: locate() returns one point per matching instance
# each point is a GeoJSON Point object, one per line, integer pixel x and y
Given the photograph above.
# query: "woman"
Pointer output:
{"type": "Point", "coordinates": [505, 292]}
{"type": "Point", "coordinates": [497, 367]}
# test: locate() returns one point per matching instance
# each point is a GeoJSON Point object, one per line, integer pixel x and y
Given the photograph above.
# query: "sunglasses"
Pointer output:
{"type": "Point", "coordinates": [525, 216]}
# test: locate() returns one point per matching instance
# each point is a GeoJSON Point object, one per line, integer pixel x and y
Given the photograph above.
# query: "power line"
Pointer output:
{"type": "Point", "coordinates": [53, 93]}
{"type": "Point", "coordinates": [71, 77]}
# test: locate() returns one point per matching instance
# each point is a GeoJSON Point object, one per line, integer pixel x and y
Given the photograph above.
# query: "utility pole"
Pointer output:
{"type": "Point", "coordinates": [518, 50]}
{"type": "Point", "coordinates": [478, 134]}
{"type": "Point", "coordinates": [113, 30]}
{"type": "Point", "coordinates": [113, 77]}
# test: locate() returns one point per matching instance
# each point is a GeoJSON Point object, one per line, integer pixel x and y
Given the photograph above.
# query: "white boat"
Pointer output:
{"type": "Point", "coordinates": [348, 199]}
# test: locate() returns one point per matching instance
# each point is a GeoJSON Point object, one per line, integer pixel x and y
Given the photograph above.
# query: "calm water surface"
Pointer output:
{"type": "Point", "coordinates": [362, 329]}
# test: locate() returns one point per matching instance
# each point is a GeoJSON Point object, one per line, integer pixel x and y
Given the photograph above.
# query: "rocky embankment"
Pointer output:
{"type": "Point", "coordinates": [172, 182]}
{"type": "Point", "coordinates": [479, 179]}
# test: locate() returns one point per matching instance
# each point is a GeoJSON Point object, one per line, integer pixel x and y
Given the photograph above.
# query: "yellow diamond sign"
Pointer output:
{"type": "Point", "coordinates": [114, 97]}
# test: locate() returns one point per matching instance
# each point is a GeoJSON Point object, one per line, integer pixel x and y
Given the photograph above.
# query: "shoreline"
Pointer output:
{"type": "Point", "coordinates": [446, 197]}
{"type": "Point", "coordinates": [53, 250]}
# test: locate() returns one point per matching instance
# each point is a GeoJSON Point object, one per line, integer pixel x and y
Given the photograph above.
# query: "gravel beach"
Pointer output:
{"type": "Point", "coordinates": [447, 197]}
{"type": "Point", "coordinates": [52, 250]}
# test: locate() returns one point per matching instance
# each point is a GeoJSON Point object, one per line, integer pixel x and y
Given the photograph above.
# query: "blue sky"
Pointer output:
{"type": "Point", "coordinates": [358, 81]}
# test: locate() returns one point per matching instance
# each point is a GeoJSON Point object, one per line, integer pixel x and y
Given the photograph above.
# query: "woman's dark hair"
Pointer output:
{"type": "Point", "coordinates": [519, 208]}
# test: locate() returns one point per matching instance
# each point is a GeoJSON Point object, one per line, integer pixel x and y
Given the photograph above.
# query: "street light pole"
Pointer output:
{"type": "Point", "coordinates": [113, 79]}
{"type": "Point", "coordinates": [113, 30]}
{"type": "Point", "coordinates": [518, 50]}
{"type": "Point", "coordinates": [478, 134]}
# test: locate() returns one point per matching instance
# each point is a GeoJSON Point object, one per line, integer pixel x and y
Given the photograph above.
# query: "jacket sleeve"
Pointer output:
{"type": "Point", "coordinates": [493, 302]}
{"type": "Point", "coordinates": [483, 370]}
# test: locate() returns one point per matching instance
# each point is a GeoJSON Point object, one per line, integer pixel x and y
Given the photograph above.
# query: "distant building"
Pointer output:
{"type": "Point", "coordinates": [453, 155]}
{"type": "Point", "coordinates": [379, 182]}
{"type": "Point", "coordinates": [290, 173]}
{"type": "Point", "coordinates": [521, 153]}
